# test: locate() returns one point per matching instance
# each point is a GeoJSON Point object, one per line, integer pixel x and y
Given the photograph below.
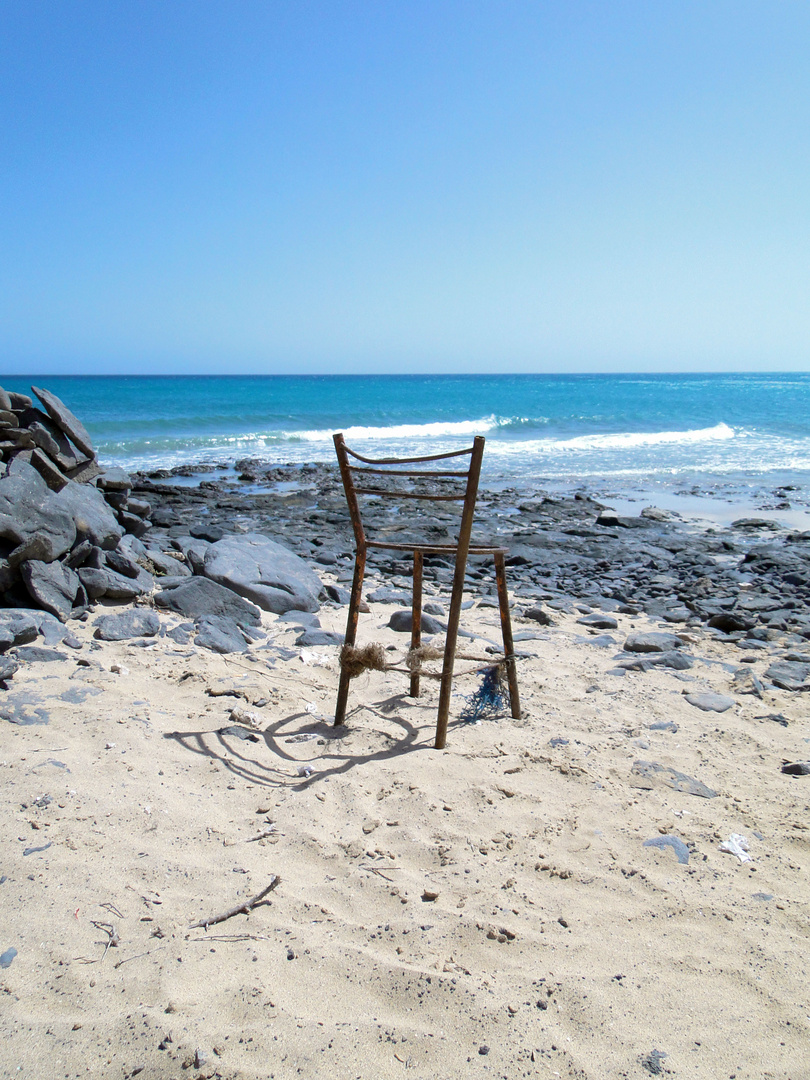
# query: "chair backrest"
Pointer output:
{"type": "Point", "coordinates": [389, 478]}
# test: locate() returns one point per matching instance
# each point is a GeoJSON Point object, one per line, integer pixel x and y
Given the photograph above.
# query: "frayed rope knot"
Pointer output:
{"type": "Point", "coordinates": [354, 661]}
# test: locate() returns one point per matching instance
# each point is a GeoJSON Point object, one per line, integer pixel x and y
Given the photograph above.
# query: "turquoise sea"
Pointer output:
{"type": "Point", "coordinates": [632, 429]}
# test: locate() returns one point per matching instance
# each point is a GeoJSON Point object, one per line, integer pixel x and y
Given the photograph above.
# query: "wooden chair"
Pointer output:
{"type": "Point", "coordinates": [444, 486]}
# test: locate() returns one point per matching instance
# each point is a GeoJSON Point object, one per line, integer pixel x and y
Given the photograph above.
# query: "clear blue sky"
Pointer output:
{"type": "Point", "coordinates": [404, 185]}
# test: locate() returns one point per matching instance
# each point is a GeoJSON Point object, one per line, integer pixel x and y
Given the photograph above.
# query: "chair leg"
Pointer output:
{"type": "Point", "coordinates": [506, 629]}
{"type": "Point", "coordinates": [449, 657]}
{"type": "Point", "coordinates": [351, 634]}
{"type": "Point", "coordinates": [416, 622]}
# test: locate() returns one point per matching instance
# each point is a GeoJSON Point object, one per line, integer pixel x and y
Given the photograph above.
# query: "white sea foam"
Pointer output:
{"type": "Point", "coordinates": [617, 441]}
{"type": "Point", "coordinates": [435, 430]}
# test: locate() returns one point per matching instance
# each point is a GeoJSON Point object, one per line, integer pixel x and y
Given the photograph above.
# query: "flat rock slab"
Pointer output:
{"type": "Point", "coordinates": [199, 598]}
{"type": "Point", "coordinates": [267, 573]}
{"type": "Point", "coordinates": [710, 702]}
{"type": "Point", "coordinates": [37, 654]}
{"type": "Point", "coordinates": [313, 637]}
{"type": "Point", "coordinates": [108, 583]}
{"type": "Point", "coordinates": [64, 419]}
{"type": "Point", "coordinates": [127, 624]}
{"type": "Point", "coordinates": [220, 634]}
{"type": "Point", "coordinates": [646, 773]}
{"type": "Point", "coordinates": [788, 675]}
{"type": "Point", "coordinates": [599, 622]}
{"type": "Point", "coordinates": [678, 661]}
{"type": "Point", "coordinates": [654, 641]}
{"type": "Point", "coordinates": [674, 842]}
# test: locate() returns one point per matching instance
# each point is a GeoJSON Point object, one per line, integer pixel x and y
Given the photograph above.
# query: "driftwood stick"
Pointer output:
{"type": "Point", "coordinates": [240, 909]}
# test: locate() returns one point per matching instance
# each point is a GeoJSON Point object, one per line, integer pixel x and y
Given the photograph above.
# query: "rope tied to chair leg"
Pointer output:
{"type": "Point", "coordinates": [354, 661]}
{"type": "Point", "coordinates": [372, 657]}
{"type": "Point", "coordinates": [416, 657]}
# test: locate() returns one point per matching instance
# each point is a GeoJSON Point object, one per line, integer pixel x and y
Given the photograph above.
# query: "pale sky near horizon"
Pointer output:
{"type": "Point", "coordinates": [229, 186]}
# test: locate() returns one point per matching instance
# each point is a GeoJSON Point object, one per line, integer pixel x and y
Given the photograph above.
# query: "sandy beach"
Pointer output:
{"type": "Point", "coordinates": [493, 909]}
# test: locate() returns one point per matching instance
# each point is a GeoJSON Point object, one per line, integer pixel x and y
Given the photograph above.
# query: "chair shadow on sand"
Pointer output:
{"type": "Point", "coordinates": [242, 755]}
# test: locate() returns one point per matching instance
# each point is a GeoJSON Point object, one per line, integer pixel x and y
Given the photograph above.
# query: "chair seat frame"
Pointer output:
{"type": "Point", "coordinates": [461, 550]}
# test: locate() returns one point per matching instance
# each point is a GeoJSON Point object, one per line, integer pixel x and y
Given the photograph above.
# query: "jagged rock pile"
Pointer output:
{"type": "Point", "coordinates": [66, 524]}
{"type": "Point", "coordinates": [57, 445]}
{"type": "Point", "coordinates": [71, 533]}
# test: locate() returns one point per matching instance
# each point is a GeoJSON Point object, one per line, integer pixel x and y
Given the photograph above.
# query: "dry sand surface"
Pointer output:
{"type": "Point", "coordinates": [488, 910]}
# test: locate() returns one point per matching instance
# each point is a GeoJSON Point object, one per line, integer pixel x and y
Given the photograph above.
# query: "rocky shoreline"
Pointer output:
{"type": "Point", "coordinates": [748, 584]}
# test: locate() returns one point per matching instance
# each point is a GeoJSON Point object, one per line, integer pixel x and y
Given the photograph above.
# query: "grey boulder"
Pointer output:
{"type": "Point", "coordinates": [52, 586]}
{"type": "Point", "coordinates": [402, 621]}
{"type": "Point", "coordinates": [653, 642]}
{"type": "Point", "coordinates": [220, 634]}
{"type": "Point", "coordinates": [127, 624]}
{"type": "Point", "coordinates": [16, 629]}
{"type": "Point", "coordinates": [30, 514]}
{"type": "Point", "coordinates": [788, 675]}
{"type": "Point", "coordinates": [108, 583]}
{"type": "Point", "coordinates": [93, 518]}
{"type": "Point", "coordinates": [198, 598]}
{"type": "Point", "coordinates": [314, 637]}
{"type": "Point", "coordinates": [261, 570]}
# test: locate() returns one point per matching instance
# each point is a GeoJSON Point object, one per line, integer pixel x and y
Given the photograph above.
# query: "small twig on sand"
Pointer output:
{"type": "Point", "coordinates": [376, 870]}
{"type": "Point", "coordinates": [231, 937]}
{"type": "Point", "coordinates": [137, 956]}
{"type": "Point", "coordinates": [240, 909]}
{"type": "Point", "coordinates": [251, 839]}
